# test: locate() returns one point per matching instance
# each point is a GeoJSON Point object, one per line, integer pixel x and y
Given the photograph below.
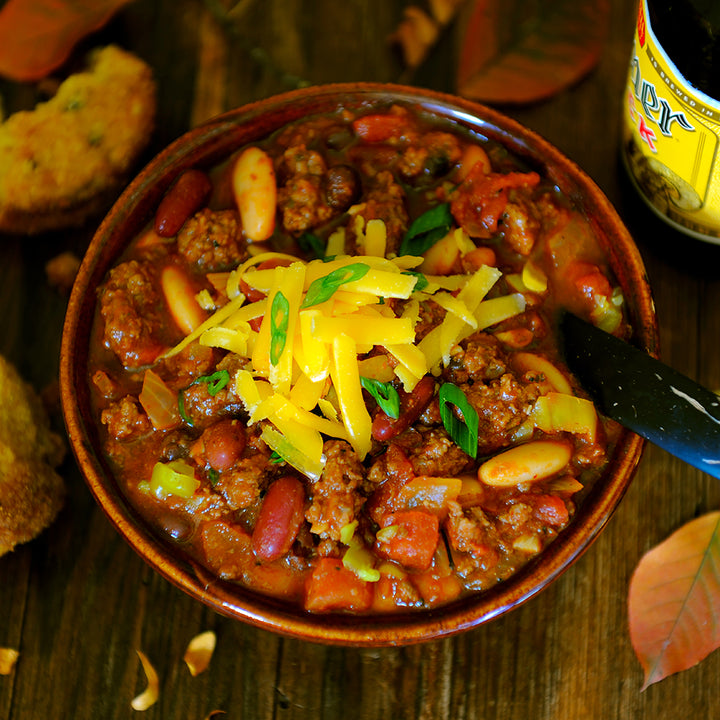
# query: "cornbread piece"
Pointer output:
{"type": "Point", "coordinates": [31, 491]}
{"type": "Point", "coordinates": [67, 158]}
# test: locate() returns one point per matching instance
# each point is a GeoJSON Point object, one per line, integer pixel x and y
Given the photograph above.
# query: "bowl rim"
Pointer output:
{"type": "Point", "coordinates": [211, 141]}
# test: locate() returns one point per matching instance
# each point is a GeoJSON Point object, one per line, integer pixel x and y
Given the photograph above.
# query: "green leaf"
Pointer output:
{"type": "Point", "coordinates": [433, 225]}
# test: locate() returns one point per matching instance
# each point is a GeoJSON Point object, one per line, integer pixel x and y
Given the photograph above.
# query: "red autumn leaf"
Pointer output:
{"type": "Point", "coordinates": [519, 51]}
{"type": "Point", "coordinates": [37, 36]}
{"type": "Point", "coordinates": [674, 600]}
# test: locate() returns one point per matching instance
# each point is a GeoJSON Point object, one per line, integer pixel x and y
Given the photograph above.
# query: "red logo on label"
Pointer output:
{"type": "Point", "coordinates": [641, 25]}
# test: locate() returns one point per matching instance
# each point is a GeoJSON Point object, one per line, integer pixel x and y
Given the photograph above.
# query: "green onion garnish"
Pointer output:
{"type": "Point", "coordinates": [215, 382]}
{"type": "Point", "coordinates": [422, 281]}
{"type": "Point", "coordinates": [323, 288]}
{"type": "Point", "coordinates": [463, 432]}
{"type": "Point", "coordinates": [181, 408]}
{"type": "Point", "coordinates": [385, 395]}
{"type": "Point", "coordinates": [311, 244]}
{"type": "Point", "coordinates": [433, 225]}
{"type": "Point", "coordinates": [279, 319]}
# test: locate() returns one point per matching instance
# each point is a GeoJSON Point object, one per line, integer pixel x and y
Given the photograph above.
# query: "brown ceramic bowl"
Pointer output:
{"type": "Point", "coordinates": [211, 143]}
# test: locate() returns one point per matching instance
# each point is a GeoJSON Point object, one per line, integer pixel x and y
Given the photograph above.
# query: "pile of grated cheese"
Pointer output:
{"type": "Point", "coordinates": [313, 387]}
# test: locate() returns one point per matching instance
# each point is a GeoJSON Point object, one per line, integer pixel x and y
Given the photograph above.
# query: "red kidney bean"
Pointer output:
{"type": "Point", "coordinates": [280, 518]}
{"type": "Point", "coordinates": [189, 193]}
{"type": "Point", "coordinates": [223, 444]}
{"type": "Point", "coordinates": [412, 405]}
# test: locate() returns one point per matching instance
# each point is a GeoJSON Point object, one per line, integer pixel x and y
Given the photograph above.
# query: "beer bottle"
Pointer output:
{"type": "Point", "coordinates": [671, 120]}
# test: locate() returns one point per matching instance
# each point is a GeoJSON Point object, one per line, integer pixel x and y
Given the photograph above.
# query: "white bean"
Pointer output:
{"type": "Point", "coordinates": [472, 155]}
{"type": "Point", "coordinates": [525, 463]}
{"type": "Point", "coordinates": [255, 192]}
{"type": "Point", "coordinates": [180, 297]}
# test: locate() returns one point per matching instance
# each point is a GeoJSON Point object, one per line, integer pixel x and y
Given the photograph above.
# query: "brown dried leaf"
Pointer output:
{"type": "Point", "coordinates": [199, 652]}
{"type": "Point", "coordinates": [8, 658]}
{"type": "Point", "coordinates": [152, 692]}
{"type": "Point", "coordinates": [415, 35]}
{"type": "Point", "coordinates": [674, 600]}
{"type": "Point", "coordinates": [444, 10]}
{"type": "Point", "coordinates": [519, 51]}
{"type": "Point", "coordinates": [37, 36]}
{"type": "Point", "coordinates": [419, 30]}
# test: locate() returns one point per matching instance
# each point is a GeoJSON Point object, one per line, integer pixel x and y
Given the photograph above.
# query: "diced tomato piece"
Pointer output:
{"type": "Point", "coordinates": [379, 128]}
{"type": "Point", "coordinates": [398, 472]}
{"type": "Point", "coordinates": [437, 589]}
{"type": "Point", "coordinates": [226, 548]}
{"type": "Point", "coordinates": [480, 201]}
{"type": "Point", "coordinates": [590, 280]}
{"type": "Point", "coordinates": [409, 538]}
{"type": "Point", "coordinates": [551, 510]}
{"type": "Point", "coordinates": [331, 586]}
{"type": "Point", "coordinates": [393, 591]}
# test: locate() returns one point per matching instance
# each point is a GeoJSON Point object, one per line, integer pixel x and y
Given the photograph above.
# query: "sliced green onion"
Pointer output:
{"type": "Point", "coordinates": [215, 382]}
{"type": "Point", "coordinates": [385, 395]}
{"type": "Point", "coordinates": [323, 288]}
{"type": "Point", "coordinates": [463, 432]}
{"type": "Point", "coordinates": [181, 408]}
{"type": "Point", "coordinates": [312, 245]}
{"type": "Point", "coordinates": [279, 319]}
{"type": "Point", "coordinates": [422, 281]}
{"type": "Point", "coordinates": [426, 230]}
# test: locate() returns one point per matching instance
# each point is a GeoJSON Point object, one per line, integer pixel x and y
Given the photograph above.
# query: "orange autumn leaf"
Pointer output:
{"type": "Point", "coordinates": [674, 600]}
{"type": "Point", "coordinates": [37, 36]}
{"type": "Point", "coordinates": [520, 51]}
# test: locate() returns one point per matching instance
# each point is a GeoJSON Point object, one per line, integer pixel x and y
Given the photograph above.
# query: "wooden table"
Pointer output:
{"type": "Point", "coordinates": [77, 602]}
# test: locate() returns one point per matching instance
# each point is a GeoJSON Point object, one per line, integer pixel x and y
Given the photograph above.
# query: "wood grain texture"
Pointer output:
{"type": "Point", "coordinates": [78, 603]}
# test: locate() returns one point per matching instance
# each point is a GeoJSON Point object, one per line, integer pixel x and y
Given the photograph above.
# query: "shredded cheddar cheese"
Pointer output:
{"type": "Point", "coordinates": [302, 359]}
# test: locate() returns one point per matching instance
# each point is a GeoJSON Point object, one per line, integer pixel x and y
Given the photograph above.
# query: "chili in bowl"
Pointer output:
{"type": "Point", "coordinates": [310, 366]}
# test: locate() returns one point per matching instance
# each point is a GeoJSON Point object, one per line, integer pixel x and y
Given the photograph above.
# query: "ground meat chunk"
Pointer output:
{"type": "Point", "coordinates": [385, 201]}
{"type": "Point", "coordinates": [191, 362]}
{"type": "Point", "coordinates": [433, 452]}
{"type": "Point", "coordinates": [241, 486]}
{"type": "Point", "coordinates": [470, 532]}
{"type": "Point", "coordinates": [433, 158]}
{"type": "Point", "coordinates": [502, 406]}
{"type": "Point", "coordinates": [301, 196]}
{"type": "Point", "coordinates": [212, 240]}
{"type": "Point", "coordinates": [479, 358]}
{"type": "Point", "coordinates": [131, 308]}
{"type": "Point", "coordinates": [203, 409]}
{"type": "Point", "coordinates": [125, 419]}
{"type": "Point", "coordinates": [335, 499]}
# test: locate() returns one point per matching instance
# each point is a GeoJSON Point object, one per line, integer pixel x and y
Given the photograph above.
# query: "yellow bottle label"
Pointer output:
{"type": "Point", "coordinates": [671, 136]}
